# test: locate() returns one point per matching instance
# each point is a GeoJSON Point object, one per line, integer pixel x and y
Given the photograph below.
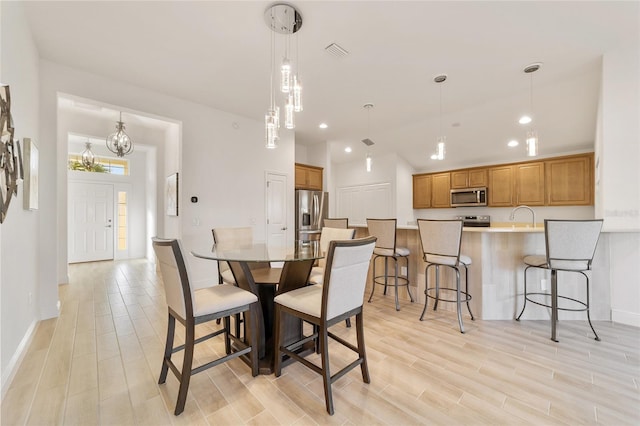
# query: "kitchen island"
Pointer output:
{"type": "Point", "coordinates": [496, 280]}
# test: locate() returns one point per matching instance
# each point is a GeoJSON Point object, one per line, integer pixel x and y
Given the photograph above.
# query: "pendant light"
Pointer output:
{"type": "Point", "coordinates": [367, 141]}
{"type": "Point", "coordinates": [283, 19]}
{"type": "Point", "coordinates": [441, 139]}
{"type": "Point", "coordinates": [88, 158]}
{"type": "Point", "coordinates": [119, 142]}
{"type": "Point", "coordinates": [532, 135]}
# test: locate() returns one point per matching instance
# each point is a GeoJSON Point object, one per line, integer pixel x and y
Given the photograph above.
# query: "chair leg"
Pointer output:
{"type": "Point", "coordinates": [458, 302]}
{"type": "Point", "coordinates": [326, 373]}
{"type": "Point", "coordinates": [408, 291]}
{"type": "Point", "coordinates": [185, 376]}
{"type": "Point", "coordinates": [373, 286]}
{"type": "Point", "coordinates": [426, 297]}
{"type": "Point", "coordinates": [524, 305]}
{"type": "Point", "coordinates": [588, 315]}
{"type": "Point", "coordinates": [386, 274]}
{"type": "Point", "coordinates": [168, 348]}
{"type": "Point", "coordinates": [278, 333]}
{"type": "Point", "coordinates": [466, 289]}
{"type": "Point", "coordinates": [251, 319]}
{"type": "Point", "coordinates": [361, 349]}
{"type": "Point", "coordinates": [554, 304]}
{"type": "Point", "coordinates": [395, 262]}
{"type": "Point", "coordinates": [348, 322]}
{"type": "Point", "coordinates": [227, 339]}
{"type": "Point", "coordinates": [435, 304]}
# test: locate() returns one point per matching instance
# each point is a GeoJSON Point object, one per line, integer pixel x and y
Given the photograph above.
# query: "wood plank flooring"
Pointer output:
{"type": "Point", "coordinates": [98, 363]}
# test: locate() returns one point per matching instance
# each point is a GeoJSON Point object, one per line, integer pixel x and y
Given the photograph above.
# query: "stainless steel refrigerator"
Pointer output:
{"type": "Point", "coordinates": [311, 209]}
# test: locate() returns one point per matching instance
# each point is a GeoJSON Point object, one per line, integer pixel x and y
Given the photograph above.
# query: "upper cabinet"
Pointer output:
{"type": "Point", "coordinates": [569, 181]}
{"type": "Point", "coordinates": [431, 190]}
{"type": "Point", "coordinates": [308, 177]}
{"type": "Point", "coordinates": [500, 188]}
{"type": "Point", "coordinates": [529, 188]}
{"type": "Point", "coordinates": [471, 178]}
{"type": "Point", "coordinates": [421, 191]}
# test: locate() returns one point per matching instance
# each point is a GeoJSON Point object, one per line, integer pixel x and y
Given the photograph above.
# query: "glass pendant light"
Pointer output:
{"type": "Point", "coordinates": [367, 141]}
{"type": "Point", "coordinates": [440, 140]}
{"type": "Point", "coordinates": [532, 135]}
{"type": "Point", "coordinates": [285, 74]}
{"type": "Point", "coordinates": [368, 162]}
{"type": "Point", "coordinates": [88, 159]}
{"type": "Point", "coordinates": [289, 122]}
{"type": "Point", "coordinates": [119, 142]}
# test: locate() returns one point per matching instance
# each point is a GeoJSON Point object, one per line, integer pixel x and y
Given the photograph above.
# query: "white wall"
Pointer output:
{"type": "Point", "coordinates": [19, 234]}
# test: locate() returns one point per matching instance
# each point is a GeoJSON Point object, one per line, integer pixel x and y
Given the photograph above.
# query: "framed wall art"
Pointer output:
{"type": "Point", "coordinates": [172, 195]}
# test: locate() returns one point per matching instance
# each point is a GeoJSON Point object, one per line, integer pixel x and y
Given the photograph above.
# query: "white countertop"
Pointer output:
{"type": "Point", "coordinates": [498, 227]}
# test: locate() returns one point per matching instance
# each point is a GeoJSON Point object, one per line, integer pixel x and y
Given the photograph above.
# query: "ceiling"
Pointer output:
{"type": "Point", "coordinates": [217, 53]}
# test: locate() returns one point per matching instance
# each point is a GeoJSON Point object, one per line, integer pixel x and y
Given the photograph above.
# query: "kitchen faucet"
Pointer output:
{"type": "Point", "coordinates": [533, 214]}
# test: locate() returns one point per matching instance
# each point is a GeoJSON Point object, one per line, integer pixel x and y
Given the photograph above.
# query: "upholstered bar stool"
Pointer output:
{"type": "Point", "coordinates": [385, 232]}
{"type": "Point", "coordinates": [440, 240]}
{"type": "Point", "coordinates": [570, 245]}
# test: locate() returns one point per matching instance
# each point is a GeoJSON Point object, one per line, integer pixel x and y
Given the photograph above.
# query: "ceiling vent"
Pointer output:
{"type": "Point", "coordinates": [334, 50]}
{"type": "Point", "coordinates": [367, 142]}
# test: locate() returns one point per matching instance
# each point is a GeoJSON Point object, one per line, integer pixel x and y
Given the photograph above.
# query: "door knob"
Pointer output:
{"type": "Point", "coordinates": [283, 229]}
{"type": "Point", "coordinates": [107, 226]}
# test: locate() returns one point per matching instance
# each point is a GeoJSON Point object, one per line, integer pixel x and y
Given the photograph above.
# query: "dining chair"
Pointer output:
{"type": "Point", "coordinates": [570, 247]}
{"type": "Point", "coordinates": [440, 241]}
{"type": "Point", "coordinates": [326, 236]}
{"type": "Point", "coordinates": [340, 297]}
{"type": "Point", "coordinates": [385, 232]}
{"type": "Point", "coordinates": [342, 222]}
{"type": "Point", "coordinates": [193, 307]}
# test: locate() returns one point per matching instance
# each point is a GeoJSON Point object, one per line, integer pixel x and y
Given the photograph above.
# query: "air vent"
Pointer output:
{"type": "Point", "coordinates": [367, 142]}
{"type": "Point", "coordinates": [336, 51]}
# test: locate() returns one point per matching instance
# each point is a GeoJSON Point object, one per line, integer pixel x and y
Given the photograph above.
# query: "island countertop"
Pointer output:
{"type": "Point", "coordinates": [518, 227]}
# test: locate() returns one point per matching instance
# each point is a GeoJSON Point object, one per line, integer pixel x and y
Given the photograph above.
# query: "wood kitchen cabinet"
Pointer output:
{"type": "Point", "coordinates": [441, 190]}
{"type": "Point", "coordinates": [569, 181]}
{"type": "Point", "coordinates": [500, 186]}
{"type": "Point", "coordinates": [472, 178]}
{"type": "Point", "coordinates": [530, 183]}
{"type": "Point", "coordinates": [421, 191]}
{"type": "Point", "coordinates": [308, 177]}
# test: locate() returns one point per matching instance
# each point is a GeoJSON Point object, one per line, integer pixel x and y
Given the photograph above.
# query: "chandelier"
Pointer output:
{"type": "Point", "coordinates": [88, 158]}
{"type": "Point", "coordinates": [119, 142]}
{"type": "Point", "coordinates": [283, 19]}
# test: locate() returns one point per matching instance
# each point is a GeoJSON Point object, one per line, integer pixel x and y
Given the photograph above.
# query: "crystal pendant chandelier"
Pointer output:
{"type": "Point", "coordinates": [441, 139]}
{"type": "Point", "coordinates": [119, 142]}
{"type": "Point", "coordinates": [283, 19]}
{"type": "Point", "coordinates": [88, 158]}
{"type": "Point", "coordinates": [532, 135]}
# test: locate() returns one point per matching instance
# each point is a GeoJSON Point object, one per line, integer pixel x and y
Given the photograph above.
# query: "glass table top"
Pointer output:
{"type": "Point", "coordinates": [261, 252]}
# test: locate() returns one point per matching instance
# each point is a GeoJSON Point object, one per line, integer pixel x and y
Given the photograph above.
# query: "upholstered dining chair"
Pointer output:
{"type": "Point", "coordinates": [340, 297]}
{"type": "Point", "coordinates": [326, 236]}
{"type": "Point", "coordinates": [440, 241]}
{"type": "Point", "coordinates": [570, 247]}
{"type": "Point", "coordinates": [342, 222]}
{"type": "Point", "coordinates": [193, 307]}
{"type": "Point", "coordinates": [385, 232]}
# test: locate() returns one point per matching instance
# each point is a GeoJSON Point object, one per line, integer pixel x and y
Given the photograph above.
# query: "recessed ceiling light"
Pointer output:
{"type": "Point", "coordinates": [434, 156]}
{"type": "Point", "coordinates": [323, 125]}
{"type": "Point", "coordinates": [347, 149]}
{"type": "Point", "coordinates": [513, 143]}
{"type": "Point", "coordinates": [525, 119]}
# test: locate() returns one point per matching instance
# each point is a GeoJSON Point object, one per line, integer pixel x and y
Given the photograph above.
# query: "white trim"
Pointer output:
{"type": "Point", "coordinates": [624, 317]}
{"type": "Point", "coordinates": [16, 359]}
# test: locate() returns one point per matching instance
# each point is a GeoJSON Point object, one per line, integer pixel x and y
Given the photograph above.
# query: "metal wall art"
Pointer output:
{"type": "Point", "coordinates": [9, 154]}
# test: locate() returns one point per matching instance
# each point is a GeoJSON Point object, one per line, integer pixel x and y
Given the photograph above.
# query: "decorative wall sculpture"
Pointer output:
{"type": "Point", "coordinates": [9, 153]}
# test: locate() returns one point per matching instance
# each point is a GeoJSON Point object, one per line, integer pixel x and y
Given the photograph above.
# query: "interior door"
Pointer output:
{"type": "Point", "coordinates": [90, 222]}
{"type": "Point", "coordinates": [276, 209]}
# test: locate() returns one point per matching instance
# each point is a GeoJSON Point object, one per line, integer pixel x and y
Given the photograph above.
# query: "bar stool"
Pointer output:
{"type": "Point", "coordinates": [570, 245]}
{"type": "Point", "coordinates": [342, 222]}
{"type": "Point", "coordinates": [385, 232]}
{"type": "Point", "coordinates": [440, 240]}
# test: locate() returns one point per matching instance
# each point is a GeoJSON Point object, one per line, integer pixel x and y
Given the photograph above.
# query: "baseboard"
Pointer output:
{"type": "Point", "coordinates": [17, 358]}
{"type": "Point", "coordinates": [624, 317]}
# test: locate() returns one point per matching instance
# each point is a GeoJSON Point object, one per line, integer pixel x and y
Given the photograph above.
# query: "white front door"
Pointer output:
{"type": "Point", "coordinates": [90, 222]}
{"type": "Point", "coordinates": [276, 209]}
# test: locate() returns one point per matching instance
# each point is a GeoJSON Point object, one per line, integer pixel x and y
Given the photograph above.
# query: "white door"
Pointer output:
{"type": "Point", "coordinates": [276, 209]}
{"type": "Point", "coordinates": [90, 222]}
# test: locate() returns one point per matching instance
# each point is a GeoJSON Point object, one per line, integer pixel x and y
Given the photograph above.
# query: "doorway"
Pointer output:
{"type": "Point", "coordinates": [90, 222]}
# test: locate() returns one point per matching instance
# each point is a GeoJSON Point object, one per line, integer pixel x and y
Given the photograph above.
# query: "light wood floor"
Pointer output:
{"type": "Point", "coordinates": [98, 363]}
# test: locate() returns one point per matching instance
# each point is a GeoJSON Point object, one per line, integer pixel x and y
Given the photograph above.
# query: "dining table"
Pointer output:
{"type": "Point", "coordinates": [247, 263]}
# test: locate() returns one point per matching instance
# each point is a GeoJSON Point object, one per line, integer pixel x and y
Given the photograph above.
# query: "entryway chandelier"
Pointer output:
{"type": "Point", "coordinates": [88, 158]}
{"type": "Point", "coordinates": [119, 142]}
{"type": "Point", "coordinates": [283, 19]}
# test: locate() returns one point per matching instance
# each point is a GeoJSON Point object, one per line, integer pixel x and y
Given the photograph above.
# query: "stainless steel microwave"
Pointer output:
{"type": "Point", "coordinates": [469, 197]}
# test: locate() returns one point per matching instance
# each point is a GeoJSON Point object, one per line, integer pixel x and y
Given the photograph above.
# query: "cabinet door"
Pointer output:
{"type": "Point", "coordinates": [530, 183]}
{"type": "Point", "coordinates": [308, 177]}
{"type": "Point", "coordinates": [421, 191]}
{"type": "Point", "coordinates": [301, 177]}
{"type": "Point", "coordinates": [477, 178]}
{"type": "Point", "coordinates": [314, 179]}
{"type": "Point", "coordinates": [570, 181]}
{"type": "Point", "coordinates": [460, 179]}
{"type": "Point", "coordinates": [441, 190]}
{"type": "Point", "coordinates": [500, 186]}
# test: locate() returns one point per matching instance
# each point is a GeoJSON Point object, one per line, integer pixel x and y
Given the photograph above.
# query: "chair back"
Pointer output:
{"type": "Point", "coordinates": [440, 240]}
{"type": "Point", "coordinates": [385, 232]}
{"type": "Point", "coordinates": [336, 222]}
{"type": "Point", "coordinates": [231, 238]}
{"type": "Point", "coordinates": [330, 234]}
{"type": "Point", "coordinates": [571, 244]}
{"type": "Point", "coordinates": [345, 276]}
{"type": "Point", "coordinates": [175, 276]}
